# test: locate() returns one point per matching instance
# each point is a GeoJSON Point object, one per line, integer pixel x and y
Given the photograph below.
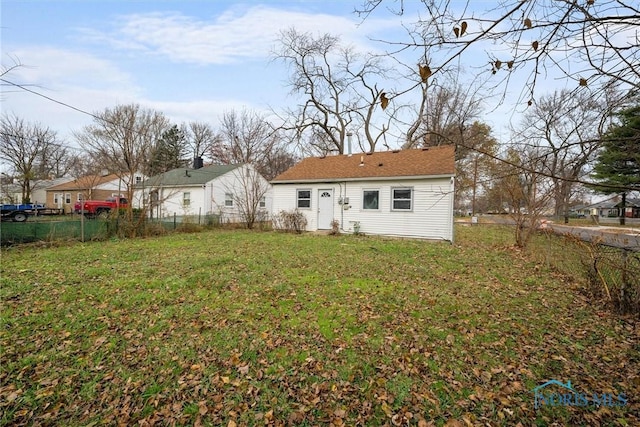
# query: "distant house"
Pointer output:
{"type": "Point", "coordinates": [612, 209]}
{"type": "Point", "coordinates": [632, 208]}
{"type": "Point", "coordinates": [224, 190]}
{"type": "Point", "coordinates": [407, 193]}
{"type": "Point", "coordinates": [90, 187]}
{"type": "Point", "coordinates": [39, 188]}
{"type": "Point", "coordinates": [10, 192]}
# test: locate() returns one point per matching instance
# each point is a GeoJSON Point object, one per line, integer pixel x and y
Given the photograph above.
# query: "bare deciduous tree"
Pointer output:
{"type": "Point", "coordinates": [566, 130]}
{"type": "Point", "coordinates": [27, 148]}
{"type": "Point", "coordinates": [526, 192]}
{"type": "Point", "coordinates": [340, 92]}
{"type": "Point", "coordinates": [448, 112]}
{"type": "Point", "coordinates": [247, 137]}
{"type": "Point", "coordinates": [474, 169]}
{"type": "Point", "coordinates": [200, 138]}
{"type": "Point", "coordinates": [249, 195]}
{"type": "Point", "coordinates": [121, 139]}
{"type": "Point", "coordinates": [589, 42]}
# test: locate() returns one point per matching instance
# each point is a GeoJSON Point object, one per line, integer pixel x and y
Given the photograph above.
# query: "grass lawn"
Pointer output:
{"type": "Point", "coordinates": [261, 328]}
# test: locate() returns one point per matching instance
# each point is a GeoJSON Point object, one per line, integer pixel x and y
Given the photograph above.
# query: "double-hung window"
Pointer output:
{"type": "Point", "coordinates": [371, 199]}
{"type": "Point", "coordinates": [228, 200]}
{"type": "Point", "coordinates": [303, 199]}
{"type": "Point", "coordinates": [401, 199]}
{"type": "Point", "coordinates": [186, 198]}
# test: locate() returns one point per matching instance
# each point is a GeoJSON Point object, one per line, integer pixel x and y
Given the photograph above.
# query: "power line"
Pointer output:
{"type": "Point", "coordinates": [51, 99]}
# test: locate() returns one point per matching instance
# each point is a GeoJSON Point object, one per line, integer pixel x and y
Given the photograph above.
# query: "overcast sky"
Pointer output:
{"type": "Point", "coordinates": [190, 59]}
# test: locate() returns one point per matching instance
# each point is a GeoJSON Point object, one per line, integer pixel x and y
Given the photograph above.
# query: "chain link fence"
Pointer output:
{"type": "Point", "coordinates": [12, 233]}
{"type": "Point", "coordinates": [609, 273]}
{"type": "Point", "coordinates": [30, 231]}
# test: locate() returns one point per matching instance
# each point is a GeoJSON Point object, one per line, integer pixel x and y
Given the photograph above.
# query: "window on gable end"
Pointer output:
{"type": "Point", "coordinates": [228, 200]}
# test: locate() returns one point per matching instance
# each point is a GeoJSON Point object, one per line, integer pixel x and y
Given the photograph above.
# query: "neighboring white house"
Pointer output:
{"type": "Point", "coordinates": [11, 192]}
{"type": "Point", "coordinates": [225, 190]}
{"type": "Point", "coordinates": [407, 193]}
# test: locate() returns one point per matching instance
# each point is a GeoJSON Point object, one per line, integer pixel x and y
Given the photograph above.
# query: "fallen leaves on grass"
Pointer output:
{"type": "Point", "coordinates": [310, 331]}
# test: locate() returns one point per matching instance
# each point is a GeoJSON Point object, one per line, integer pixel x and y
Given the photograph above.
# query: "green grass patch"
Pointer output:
{"type": "Point", "coordinates": [269, 328]}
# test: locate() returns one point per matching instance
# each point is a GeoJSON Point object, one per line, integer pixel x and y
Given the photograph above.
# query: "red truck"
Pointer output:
{"type": "Point", "coordinates": [99, 207]}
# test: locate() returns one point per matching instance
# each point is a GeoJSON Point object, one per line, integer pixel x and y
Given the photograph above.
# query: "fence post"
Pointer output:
{"type": "Point", "coordinates": [174, 221]}
{"type": "Point", "coordinates": [624, 298]}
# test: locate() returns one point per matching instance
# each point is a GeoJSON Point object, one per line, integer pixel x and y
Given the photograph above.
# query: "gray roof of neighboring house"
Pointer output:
{"type": "Point", "coordinates": [611, 204]}
{"type": "Point", "coordinates": [43, 184]}
{"type": "Point", "coordinates": [186, 177]}
{"type": "Point", "coordinates": [603, 205]}
{"type": "Point", "coordinates": [630, 203]}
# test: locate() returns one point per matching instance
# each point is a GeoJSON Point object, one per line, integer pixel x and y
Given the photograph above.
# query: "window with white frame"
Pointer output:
{"type": "Point", "coordinates": [79, 198]}
{"type": "Point", "coordinates": [401, 199]}
{"type": "Point", "coordinates": [371, 199]}
{"type": "Point", "coordinates": [186, 198]}
{"type": "Point", "coordinates": [67, 198]}
{"type": "Point", "coordinates": [228, 200]}
{"type": "Point", "coordinates": [263, 202]}
{"type": "Point", "coordinates": [56, 197]}
{"type": "Point", "coordinates": [303, 199]}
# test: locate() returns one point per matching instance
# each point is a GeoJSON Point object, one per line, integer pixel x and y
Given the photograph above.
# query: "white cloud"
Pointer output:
{"type": "Point", "coordinates": [54, 67]}
{"type": "Point", "coordinates": [83, 81]}
{"type": "Point", "coordinates": [234, 36]}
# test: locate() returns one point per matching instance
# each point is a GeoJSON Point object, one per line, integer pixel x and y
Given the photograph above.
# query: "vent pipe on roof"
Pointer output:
{"type": "Point", "coordinates": [349, 136]}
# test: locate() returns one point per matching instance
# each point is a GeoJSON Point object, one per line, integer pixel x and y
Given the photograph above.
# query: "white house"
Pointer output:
{"type": "Point", "coordinates": [407, 193]}
{"type": "Point", "coordinates": [225, 190]}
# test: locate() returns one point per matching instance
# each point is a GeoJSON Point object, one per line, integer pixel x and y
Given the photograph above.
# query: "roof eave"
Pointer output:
{"type": "Point", "coordinates": [372, 178]}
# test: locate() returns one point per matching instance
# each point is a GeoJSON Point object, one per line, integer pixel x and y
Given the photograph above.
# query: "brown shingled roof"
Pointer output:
{"type": "Point", "coordinates": [383, 164]}
{"type": "Point", "coordinates": [85, 182]}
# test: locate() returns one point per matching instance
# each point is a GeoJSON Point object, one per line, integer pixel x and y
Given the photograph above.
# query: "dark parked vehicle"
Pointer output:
{"type": "Point", "coordinates": [20, 212]}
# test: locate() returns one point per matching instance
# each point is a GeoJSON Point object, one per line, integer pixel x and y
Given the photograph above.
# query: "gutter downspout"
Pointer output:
{"type": "Point", "coordinates": [451, 209]}
{"type": "Point", "coordinates": [342, 205]}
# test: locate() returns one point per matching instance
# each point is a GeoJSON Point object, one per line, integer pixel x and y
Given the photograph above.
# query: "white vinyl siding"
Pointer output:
{"type": "Point", "coordinates": [430, 216]}
{"type": "Point", "coordinates": [210, 198]}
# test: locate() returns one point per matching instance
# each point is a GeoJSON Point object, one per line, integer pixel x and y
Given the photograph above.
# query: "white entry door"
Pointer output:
{"type": "Point", "coordinates": [58, 200]}
{"type": "Point", "coordinates": [325, 209]}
